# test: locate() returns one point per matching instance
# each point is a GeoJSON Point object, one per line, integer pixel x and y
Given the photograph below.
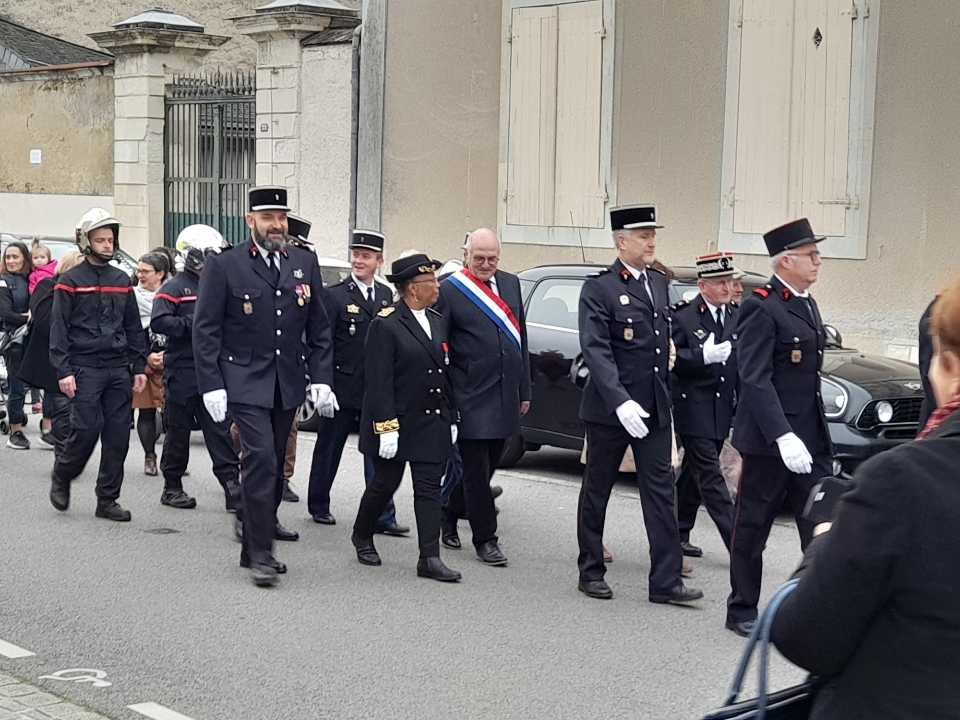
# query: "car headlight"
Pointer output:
{"type": "Point", "coordinates": [834, 398]}
{"type": "Point", "coordinates": [884, 411]}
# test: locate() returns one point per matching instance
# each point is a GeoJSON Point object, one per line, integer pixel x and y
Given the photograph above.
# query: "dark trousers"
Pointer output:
{"type": "Point", "coordinates": [331, 437]}
{"type": "Point", "coordinates": [472, 497]}
{"type": "Point", "coordinates": [263, 436]}
{"type": "Point", "coordinates": [426, 500]}
{"type": "Point", "coordinates": [56, 408]}
{"type": "Point", "coordinates": [183, 408]}
{"type": "Point", "coordinates": [764, 484]}
{"type": "Point", "coordinates": [605, 447]}
{"type": "Point", "coordinates": [101, 409]}
{"type": "Point", "coordinates": [700, 478]}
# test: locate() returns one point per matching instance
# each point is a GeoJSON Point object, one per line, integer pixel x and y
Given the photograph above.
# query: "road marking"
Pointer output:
{"type": "Point", "coordinates": [87, 675]}
{"type": "Point", "coordinates": [157, 712]}
{"type": "Point", "coordinates": [12, 651]}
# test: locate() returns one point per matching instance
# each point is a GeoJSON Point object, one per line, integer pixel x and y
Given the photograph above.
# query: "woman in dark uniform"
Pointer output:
{"type": "Point", "coordinates": [408, 414]}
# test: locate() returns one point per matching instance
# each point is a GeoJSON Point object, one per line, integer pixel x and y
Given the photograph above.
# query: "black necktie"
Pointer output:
{"type": "Point", "coordinates": [273, 265]}
{"type": "Point", "coordinates": [807, 304]}
{"type": "Point", "coordinates": [720, 317]}
{"type": "Point", "coordinates": [646, 285]}
{"type": "Point", "coordinates": [368, 291]}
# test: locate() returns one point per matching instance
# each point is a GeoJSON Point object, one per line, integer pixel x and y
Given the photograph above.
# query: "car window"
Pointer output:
{"type": "Point", "coordinates": [680, 290]}
{"type": "Point", "coordinates": [555, 302]}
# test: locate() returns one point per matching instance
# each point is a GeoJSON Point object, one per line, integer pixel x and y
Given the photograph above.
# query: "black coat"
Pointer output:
{"type": "Point", "coordinates": [172, 316]}
{"type": "Point", "coordinates": [626, 345]}
{"type": "Point", "coordinates": [248, 332]}
{"type": "Point", "coordinates": [36, 370]}
{"type": "Point", "coordinates": [14, 300]}
{"type": "Point", "coordinates": [876, 610]}
{"type": "Point", "coordinates": [350, 315]}
{"type": "Point", "coordinates": [704, 396]}
{"type": "Point", "coordinates": [490, 376]}
{"type": "Point", "coordinates": [408, 386]}
{"type": "Point", "coordinates": [926, 355]}
{"type": "Point", "coordinates": [780, 351]}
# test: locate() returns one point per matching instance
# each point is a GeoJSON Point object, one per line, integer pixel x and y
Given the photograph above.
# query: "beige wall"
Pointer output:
{"type": "Point", "coordinates": [441, 123]}
{"type": "Point", "coordinates": [70, 120]}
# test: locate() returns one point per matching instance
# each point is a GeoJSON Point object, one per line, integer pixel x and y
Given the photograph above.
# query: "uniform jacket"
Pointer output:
{"type": "Point", "coordinates": [490, 376]}
{"type": "Point", "coordinates": [780, 352]}
{"type": "Point", "coordinates": [350, 316]}
{"type": "Point", "coordinates": [95, 322]}
{"type": "Point", "coordinates": [248, 332]}
{"type": "Point", "coordinates": [625, 343]}
{"type": "Point", "coordinates": [172, 317]}
{"type": "Point", "coordinates": [408, 386]}
{"type": "Point", "coordinates": [704, 396]}
{"type": "Point", "coordinates": [35, 369]}
{"type": "Point", "coordinates": [876, 611]}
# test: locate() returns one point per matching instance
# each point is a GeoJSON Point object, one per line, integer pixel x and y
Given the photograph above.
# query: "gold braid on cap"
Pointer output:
{"type": "Point", "coordinates": [379, 428]}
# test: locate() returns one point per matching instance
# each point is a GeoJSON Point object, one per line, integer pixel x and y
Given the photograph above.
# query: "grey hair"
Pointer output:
{"type": "Point", "coordinates": [775, 260]}
{"type": "Point", "coordinates": [468, 241]}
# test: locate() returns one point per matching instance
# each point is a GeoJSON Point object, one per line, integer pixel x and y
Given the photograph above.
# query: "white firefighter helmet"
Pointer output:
{"type": "Point", "coordinates": [195, 242]}
{"type": "Point", "coordinates": [93, 219]}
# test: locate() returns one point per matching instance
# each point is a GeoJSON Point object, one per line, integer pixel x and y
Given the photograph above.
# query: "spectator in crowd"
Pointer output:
{"type": "Point", "coordinates": [152, 271]}
{"type": "Point", "coordinates": [44, 266]}
{"type": "Point", "coordinates": [14, 313]}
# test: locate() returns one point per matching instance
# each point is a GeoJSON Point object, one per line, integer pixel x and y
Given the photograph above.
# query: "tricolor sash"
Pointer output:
{"type": "Point", "coordinates": [489, 303]}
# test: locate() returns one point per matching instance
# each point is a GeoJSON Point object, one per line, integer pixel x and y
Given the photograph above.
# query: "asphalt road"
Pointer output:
{"type": "Point", "coordinates": [170, 618]}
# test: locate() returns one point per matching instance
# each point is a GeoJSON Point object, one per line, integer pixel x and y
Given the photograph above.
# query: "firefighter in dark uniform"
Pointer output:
{"type": "Point", "coordinates": [259, 325]}
{"type": "Point", "coordinates": [704, 395]}
{"type": "Point", "coordinates": [98, 349]}
{"type": "Point", "coordinates": [172, 316]}
{"type": "Point", "coordinates": [780, 428]}
{"type": "Point", "coordinates": [408, 413]}
{"type": "Point", "coordinates": [625, 339]}
{"type": "Point", "coordinates": [351, 304]}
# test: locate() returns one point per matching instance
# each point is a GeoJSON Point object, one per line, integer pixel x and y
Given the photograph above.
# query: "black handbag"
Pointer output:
{"type": "Point", "coordinates": [793, 703]}
{"type": "Point", "coordinates": [17, 336]}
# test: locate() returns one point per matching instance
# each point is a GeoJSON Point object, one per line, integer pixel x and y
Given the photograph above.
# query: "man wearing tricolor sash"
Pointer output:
{"type": "Point", "coordinates": [490, 372]}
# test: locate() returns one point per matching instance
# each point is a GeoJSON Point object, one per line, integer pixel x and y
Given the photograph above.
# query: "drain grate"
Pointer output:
{"type": "Point", "coordinates": [161, 531]}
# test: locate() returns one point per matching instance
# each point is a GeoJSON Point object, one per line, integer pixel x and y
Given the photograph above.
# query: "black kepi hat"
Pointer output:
{"type": "Point", "coordinates": [268, 197]}
{"type": "Point", "coordinates": [368, 239]}
{"type": "Point", "coordinates": [299, 228]}
{"type": "Point", "coordinates": [718, 264]}
{"type": "Point", "coordinates": [633, 217]}
{"type": "Point", "coordinates": [411, 266]}
{"type": "Point", "coordinates": [793, 234]}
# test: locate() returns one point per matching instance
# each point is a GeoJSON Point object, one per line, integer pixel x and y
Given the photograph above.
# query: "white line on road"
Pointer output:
{"type": "Point", "coordinates": [12, 651]}
{"type": "Point", "coordinates": [157, 712]}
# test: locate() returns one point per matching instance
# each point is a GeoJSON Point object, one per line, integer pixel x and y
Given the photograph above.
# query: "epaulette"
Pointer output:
{"type": "Point", "coordinates": [677, 306]}
{"type": "Point", "coordinates": [598, 273]}
{"type": "Point", "coordinates": [651, 267]}
{"type": "Point", "coordinates": [762, 292]}
{"type": "Point", "coordinates": [386, 312]}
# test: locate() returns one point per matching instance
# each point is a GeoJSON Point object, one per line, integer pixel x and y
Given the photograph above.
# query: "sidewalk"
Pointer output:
{"type": "Point", "coordinates": [22, 701]}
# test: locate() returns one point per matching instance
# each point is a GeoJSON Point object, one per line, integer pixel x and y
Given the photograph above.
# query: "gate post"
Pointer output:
{"type": "Point", "coordinates": [278, 28]}
{"type": "Point", "coordinates": [148, 48]}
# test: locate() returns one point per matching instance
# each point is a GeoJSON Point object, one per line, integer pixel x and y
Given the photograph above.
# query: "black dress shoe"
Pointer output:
{"type": "Point", "coordinates": [59, 492]}
{"type": "Point", "coordinates": [449, 535]}
{"type": "Point", "coordinates": [288, 494]}
{"type": "Point", "coordinates": [496, 491]}
{"type": "Point", "coordinates": [691, 550]}
{"type": "Point", "coordinates": [281, 533]}
{"type": "Point", "coordinates": [366, 552]}
{"type": "Point", "coordinates": [743, 629]}
{"type": "Point", "coordinates": [177, 499]}
{"type": "Point", "coordinates": [263, 575]}
{"type": "Point", "coordinates": [433, 567]}
{"type": "Point", "coordinates": [678, 594]}
{"type": "Point", "coordinates": [110, 510]}
{"type": "Point", "coordinates": [325, 519]}
{"type": "Point", "coordinates": [595, 589]}
{"type": "Point", "coordinates": [395, 529]}
{"type": "Point", "coordinates": [489, 554]}
{"type": "Point", "coordinates": [278, 566]}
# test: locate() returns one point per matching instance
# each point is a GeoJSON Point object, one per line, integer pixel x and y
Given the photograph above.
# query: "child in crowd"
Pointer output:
{"type": "Point", "coordinates": [43, 263]}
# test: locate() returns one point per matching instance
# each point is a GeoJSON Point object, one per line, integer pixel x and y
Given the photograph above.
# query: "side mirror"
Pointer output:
{"type": "Point", "coordinates": [834, 339]}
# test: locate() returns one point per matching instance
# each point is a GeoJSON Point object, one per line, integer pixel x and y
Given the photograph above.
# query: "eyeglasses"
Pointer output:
{"type": "Point", "coordinates": [813, 255]}
{"type": "Point", "coordinates": [141, 271]}
{"type": "Point", "coordinates": [485, 261]}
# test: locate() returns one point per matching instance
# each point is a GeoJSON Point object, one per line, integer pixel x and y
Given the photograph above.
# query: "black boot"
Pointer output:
{"type": "Point", "coordinates": [174, 496]}
{"type": "Point", "coordinates": [59, 492]}
{"type": "Point", "coordinates": [110, 510]}
{"type": "Point", "coordinates": [433, 567]}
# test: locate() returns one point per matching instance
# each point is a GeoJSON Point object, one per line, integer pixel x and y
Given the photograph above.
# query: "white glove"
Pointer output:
{"type": "Point", "coordinates": [453, 433]}
{"type": "Point", "coordinates": [215, 402]}
{"type": "Point", "coordinates": [388, 444]}
{"type": "Point", "coordinates": [795, 454]}
{"type": "Point", "coordinates": [631, 417]}
{"type": "Point", "coordinates": [713, 353]}
{"type": "Point", "coordinates": [323, 399]}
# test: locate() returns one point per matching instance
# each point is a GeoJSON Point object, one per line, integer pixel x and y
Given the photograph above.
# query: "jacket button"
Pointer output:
{"type": "Point", "coordinates": [654, 314]}
{"type": "Point", "coordinates": [683, 395]}
{"type": "Point", "coordinates": [723, 379]}
{"type": "Point", "coordinates": [656, 369]}
{"type": "Point", "coordinates": [230, 358]}
{"type": "Point", "coordinates": [656, 332]}
{"type": "Point", "coordinates": [436, 411]}
{"type": "Point", "coordinates": [279, 313]}
{"type": "Point", "coordinates": [427, 411]}
{"type": "Point", "coordinates": [724, 363]}
{"type": "Point", "coordinates": [278, 332]}
{"type": "Point", "coordinates": [658, 351]}
{"type": "Point", "coordinates": [429, 372]}
{"type": "Point", "coordinates": [440, 371]}
{"type": "Point", "coordinates": [278, 351]}
{"type": "Point", "coordinates": [718, 394]}
{"type": "Point", "coordinates": [278, 293]}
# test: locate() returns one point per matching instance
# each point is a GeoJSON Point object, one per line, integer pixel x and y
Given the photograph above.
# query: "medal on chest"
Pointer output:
{"type": "Point", "coordinates": [247, 305]}
{"type": "Point", "coordinates": [796, 354]}
{"type": "Point", "coordinates": [353, 329]}
{"type": "Point", "coordinates": [446, 353]}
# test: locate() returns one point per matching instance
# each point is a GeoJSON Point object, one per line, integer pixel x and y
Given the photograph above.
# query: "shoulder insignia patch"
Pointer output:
{"type": "Point", "coordinates": [762, 292]}
{"type": "Point", "coordinates": [386, 312]}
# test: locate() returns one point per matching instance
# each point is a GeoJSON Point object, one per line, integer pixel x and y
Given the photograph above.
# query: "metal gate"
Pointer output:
{"type": "Point", "coordinates": [209, 152]}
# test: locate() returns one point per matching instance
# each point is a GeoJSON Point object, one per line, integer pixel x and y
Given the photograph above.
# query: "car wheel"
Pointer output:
{"type": "Point", "coordinates": [309, 417]}
{"type": "Point", "coordinates": [513, 450]}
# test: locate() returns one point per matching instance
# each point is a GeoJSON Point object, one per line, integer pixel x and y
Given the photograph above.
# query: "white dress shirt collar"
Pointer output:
{"type": "Point", "coordinates": [787, 285]}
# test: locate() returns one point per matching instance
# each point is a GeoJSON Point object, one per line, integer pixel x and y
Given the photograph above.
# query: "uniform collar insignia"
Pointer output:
{"type": "Point", "coordinates": [625, 275]}
{"type": "Point", "coordinates": [703, 308]}
{"type": "Point", "coordinates": [786, 293]}
{"type": "Point", "coordinates": [701, 334]}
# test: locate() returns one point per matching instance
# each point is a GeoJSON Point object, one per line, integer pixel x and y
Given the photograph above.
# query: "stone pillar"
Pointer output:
{"type": "Point", "coordinates": [146, 58]}
{"type": "Point", "coordinates": [278, 29]}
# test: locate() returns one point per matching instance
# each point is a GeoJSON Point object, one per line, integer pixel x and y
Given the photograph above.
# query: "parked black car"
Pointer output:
{"type": "Point", "coordinates": [872, 402]}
